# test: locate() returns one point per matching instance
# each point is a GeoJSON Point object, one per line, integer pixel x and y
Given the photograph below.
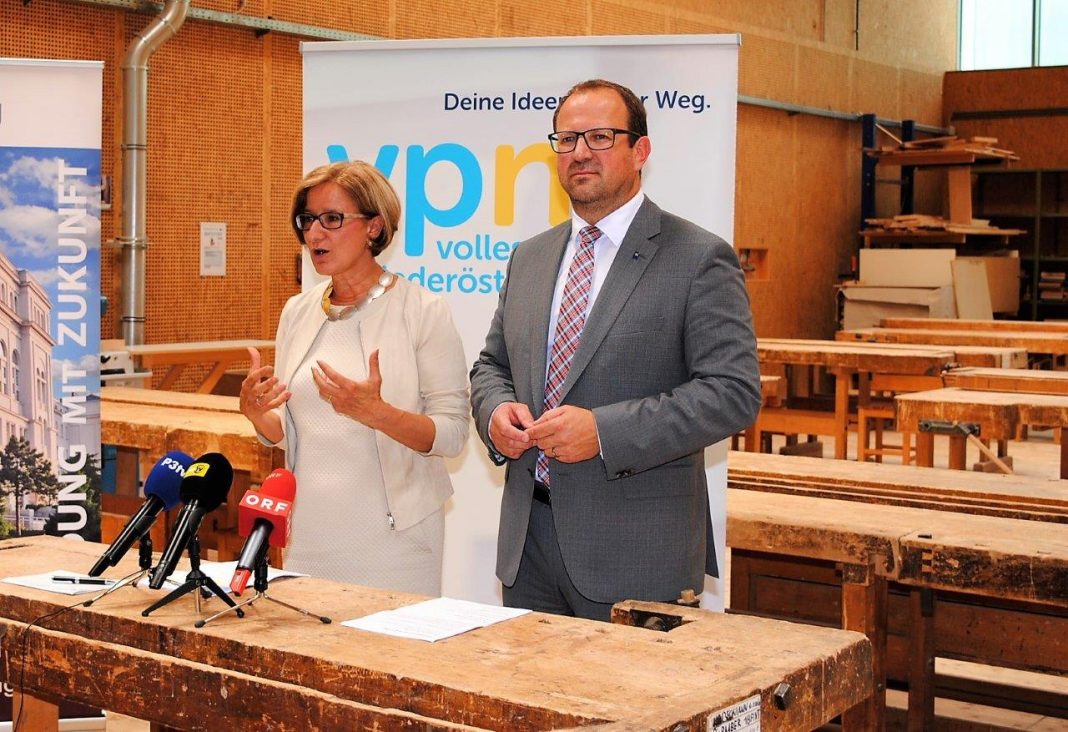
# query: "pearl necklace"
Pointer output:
{"type": "Point", "coordinates": [377, 290]}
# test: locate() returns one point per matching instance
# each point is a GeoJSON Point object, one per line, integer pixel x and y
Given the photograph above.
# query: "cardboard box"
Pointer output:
{"type": "Point", "coordinates": [906, 267]}
{"type": "Point", "coordinates": [1003, 276]}
{"type": "Point", "coordinates": [864, 306]}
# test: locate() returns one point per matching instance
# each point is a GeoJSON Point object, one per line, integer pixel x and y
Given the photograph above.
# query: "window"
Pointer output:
{"type": "Point", "coordinates": [15, 373]}
{"type": "Point", "coordinates": [1010, 34]}
{"type": "Point", "coordinates": [3, 367]}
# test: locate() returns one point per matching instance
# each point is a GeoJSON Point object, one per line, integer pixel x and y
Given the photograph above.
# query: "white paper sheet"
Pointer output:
{"type": "Point", "coordinates": [434, 620]}
{"type": "Point", "coordinates": [81, 584]}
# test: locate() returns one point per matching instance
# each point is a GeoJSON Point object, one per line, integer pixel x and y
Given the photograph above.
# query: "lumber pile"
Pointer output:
{"type": "Point", "coordinates": [918, 223]}
{"type": "Point", "coordinates": [948, 150]}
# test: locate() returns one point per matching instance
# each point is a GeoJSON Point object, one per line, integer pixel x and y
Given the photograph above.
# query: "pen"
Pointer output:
{"type": "Point", "coordinates": [83, 580]}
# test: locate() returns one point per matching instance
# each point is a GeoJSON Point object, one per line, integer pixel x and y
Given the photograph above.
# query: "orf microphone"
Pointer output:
{"type": "Point", "coordinates": [161, 494]}
{"type": "Point", "coordinates": [203, 489]}
{"type": "Point", "coordinates": [263, 516]}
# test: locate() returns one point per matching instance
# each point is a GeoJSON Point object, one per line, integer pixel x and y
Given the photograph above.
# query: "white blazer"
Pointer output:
{"type": "Point", "coordinates": [423, 371]}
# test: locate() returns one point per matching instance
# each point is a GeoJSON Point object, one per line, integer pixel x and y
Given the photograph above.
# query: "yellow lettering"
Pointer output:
{"type": "Point", "coordinates": [508, 167]}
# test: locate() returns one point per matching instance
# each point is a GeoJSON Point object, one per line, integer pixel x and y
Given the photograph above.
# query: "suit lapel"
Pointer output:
{"type": "Point", "coordinates": [546, 267]}
{"type": "Point", "coordinates": [632, 259]}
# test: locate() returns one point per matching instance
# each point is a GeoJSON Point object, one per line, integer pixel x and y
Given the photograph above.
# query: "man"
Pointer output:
{"type": "Point", "coordinates": [621, 347]}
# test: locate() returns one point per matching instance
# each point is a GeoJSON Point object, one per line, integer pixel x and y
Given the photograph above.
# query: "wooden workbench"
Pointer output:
{"type": "Point", "coordinates": [145, 424]}
{"type": "Point", "coordinates": [925, 563]}
{"type": "Point", "coordinates": [998, 414]}
{"type": "Point", "coordinates": [275, 669]}
{"type": "Point", "coordinates": [1035, 343]}
{"type": "Point", "coordinates": [176, 356]}
{"type": "Point", "coordinates": [843, 361]}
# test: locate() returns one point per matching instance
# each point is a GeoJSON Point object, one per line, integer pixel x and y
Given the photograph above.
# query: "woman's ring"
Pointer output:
{"type": "Point", "coordinates": [259, 401]}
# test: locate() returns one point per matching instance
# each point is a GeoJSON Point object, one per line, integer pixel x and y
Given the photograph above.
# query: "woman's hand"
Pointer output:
{"type": "Point", "coordinates": [260, 390]}
{"type": "Point", "coordinates": [360, 400]}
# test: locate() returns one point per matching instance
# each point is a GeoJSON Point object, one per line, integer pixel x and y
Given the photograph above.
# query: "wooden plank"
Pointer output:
{"type": "Point", "coordinates": [184, 695]}
{"type": "Point", "coordinates": [1041, 326]}
{"type": "Point", "coordinates": [517, 674]}
{"type": "Point", "coordinates": [959, 186]}
{"type": "Point", "coordinates": [1046, 343]}
{"type": "Point", "coordinates": [944, 484]}
{"type": "Point", "coordinates": [1030, 381]}
{"type": "Point", "coordinates": [971, 290]}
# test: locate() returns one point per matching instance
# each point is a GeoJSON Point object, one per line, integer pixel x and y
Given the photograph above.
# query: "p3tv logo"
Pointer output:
{"type": "Point", "coordinates": [501, 177]}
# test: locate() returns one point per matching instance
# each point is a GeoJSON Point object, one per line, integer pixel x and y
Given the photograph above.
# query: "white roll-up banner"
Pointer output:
{"type": "Point", "coordinates": [50, 136]}
{"type": "Point", "coordinates": [459, 127]}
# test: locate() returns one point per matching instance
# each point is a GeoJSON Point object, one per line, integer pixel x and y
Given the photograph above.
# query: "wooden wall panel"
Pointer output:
{"type": "Point", "coordinates": [1038, 140]}
{"type": "Point", "coordinates": [623, 18]}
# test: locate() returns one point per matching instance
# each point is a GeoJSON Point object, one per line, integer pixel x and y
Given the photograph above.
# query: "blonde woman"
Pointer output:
{"type": "Point", "coordinates": [367, 396]}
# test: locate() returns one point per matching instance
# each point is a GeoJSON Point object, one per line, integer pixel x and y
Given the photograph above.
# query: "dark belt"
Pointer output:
{"type": "Point", "coordinates": [541, 493]}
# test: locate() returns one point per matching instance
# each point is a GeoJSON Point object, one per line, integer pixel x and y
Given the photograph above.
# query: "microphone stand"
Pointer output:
{"type": "Point", "coordinates": [260, 585]}
{"type": "Point", "coordinates": [144, 561]}
{"type": "Point", "coordinates": [195, 580]}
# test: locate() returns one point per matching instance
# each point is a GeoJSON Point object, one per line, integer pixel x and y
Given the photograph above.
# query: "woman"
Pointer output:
{"type": "Point", "coordinates": [368, 394]}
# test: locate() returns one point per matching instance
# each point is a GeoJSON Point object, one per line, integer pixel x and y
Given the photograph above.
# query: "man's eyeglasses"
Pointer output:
{"type": "Point", "coordinates": [599, 138]}
{"type": "Point", "coordinates": [327, 219]}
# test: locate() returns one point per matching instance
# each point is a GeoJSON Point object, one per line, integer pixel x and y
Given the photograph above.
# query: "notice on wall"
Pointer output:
{"type": "Point", "coordinates": [212, 249]}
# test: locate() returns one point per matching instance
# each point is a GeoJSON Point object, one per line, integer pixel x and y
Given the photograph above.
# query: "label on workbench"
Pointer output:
{"type": "Point", "coordinates": [741, 717]}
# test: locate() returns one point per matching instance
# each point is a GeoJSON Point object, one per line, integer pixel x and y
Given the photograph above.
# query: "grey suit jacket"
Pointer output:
{"type": "Point", "coordinates": [667, 362]}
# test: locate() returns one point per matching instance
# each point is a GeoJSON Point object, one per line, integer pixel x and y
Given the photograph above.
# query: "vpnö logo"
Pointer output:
{"type": "Point", "coordinates": [507, 165]}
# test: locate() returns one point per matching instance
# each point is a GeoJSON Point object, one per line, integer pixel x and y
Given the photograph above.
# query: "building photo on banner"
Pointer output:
{"type": "Point", "coordinates": [459, 127]}
{"type": "Point", "coordinates": [49, 304]}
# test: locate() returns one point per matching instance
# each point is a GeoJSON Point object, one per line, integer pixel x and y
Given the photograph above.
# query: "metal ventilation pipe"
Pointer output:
{"type": "Point", "coordinates": [132, 236]}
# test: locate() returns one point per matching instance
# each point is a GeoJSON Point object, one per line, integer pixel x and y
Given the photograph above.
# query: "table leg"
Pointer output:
{"type": "Point", "coordinates": [1064, 458]}
{"type": "Point", "coordinates": [864, 610]}
{"type": "Point", "coordinates": [841, 413]}
{"type": "Point", "coordinates": [921, 659]}
{"type": "Point", "coordinates": [958, 452]}
{"type": "Point", "coordinates": [172, 376]}
{"type": "Point", "coordinates": [925, 449]}
{"type": "Point", "coordinates": [212, 378]}
{"type": "Point", "coordinates": [34, 715]}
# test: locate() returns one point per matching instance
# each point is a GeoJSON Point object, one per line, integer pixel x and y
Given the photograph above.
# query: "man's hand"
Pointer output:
{"type": "Point", "coordinates": [568, 434]}
{"type": "Point", "coordinates": [507, 429]}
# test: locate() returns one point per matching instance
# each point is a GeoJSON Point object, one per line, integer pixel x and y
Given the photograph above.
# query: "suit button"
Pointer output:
{"type": "Point", "coordinates": [624, 474]}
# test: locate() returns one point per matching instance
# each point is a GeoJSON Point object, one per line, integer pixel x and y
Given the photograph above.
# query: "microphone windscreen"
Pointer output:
{"type": "Point", "coordinates": [280, 484]}
{"type": "Point", "coordinates": [208, 480]}
{"type": "Point", "coordinates": [164, 481]}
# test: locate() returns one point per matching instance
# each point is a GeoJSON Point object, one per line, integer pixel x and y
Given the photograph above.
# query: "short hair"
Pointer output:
{"type": "Point", "coordinates": [367, 187]}
{"type": "Point", "coordinates": [636, 119]}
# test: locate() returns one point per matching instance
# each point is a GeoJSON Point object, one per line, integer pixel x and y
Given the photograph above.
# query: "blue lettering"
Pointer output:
{"type": "Point", "coordinates": [419, 208]}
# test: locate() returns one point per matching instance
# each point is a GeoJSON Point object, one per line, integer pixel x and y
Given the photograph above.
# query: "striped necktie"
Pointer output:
{"type": "Point", "coordinates": [569, 323]}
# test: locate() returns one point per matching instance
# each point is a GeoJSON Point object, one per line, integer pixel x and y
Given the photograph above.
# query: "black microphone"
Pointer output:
{"type": "Point", "coordinates": [203, 489]}
{"type": "Point", "coordinates": [161, 494]}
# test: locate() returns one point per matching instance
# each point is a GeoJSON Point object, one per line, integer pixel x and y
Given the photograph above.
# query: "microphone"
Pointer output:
{"type": "Point", "coordinates": [263, 516]}
{"type": "Point", "coordinates": [161, 494]}
{"type": "Point", "coordinates": [203, 489]}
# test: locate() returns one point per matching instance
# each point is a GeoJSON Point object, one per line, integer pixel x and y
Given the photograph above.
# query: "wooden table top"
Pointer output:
{"type": "Point", "coordinates": [1019, 326]}
{"type": "Point", "coordinates": [855, 356]}
{"type": "Point", "coordinates": [1031, 381]}
{"type": "Point", "coordinates": [1049, 343]}
{"type": "Point", "coordinates": [534, 672]}
{"type": "Point", "coordinates": [985, 555]}
{"type": "Point", "coordinates": [196, 350]}
{"type": "Point", "coordinates": [165, 398]}
{"type": "Point", "coordinates": [998, 412]}
{"type": "Point", "coordinates": [991, 494]}
{"type": "Point", "coordinates": [160, 421]}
